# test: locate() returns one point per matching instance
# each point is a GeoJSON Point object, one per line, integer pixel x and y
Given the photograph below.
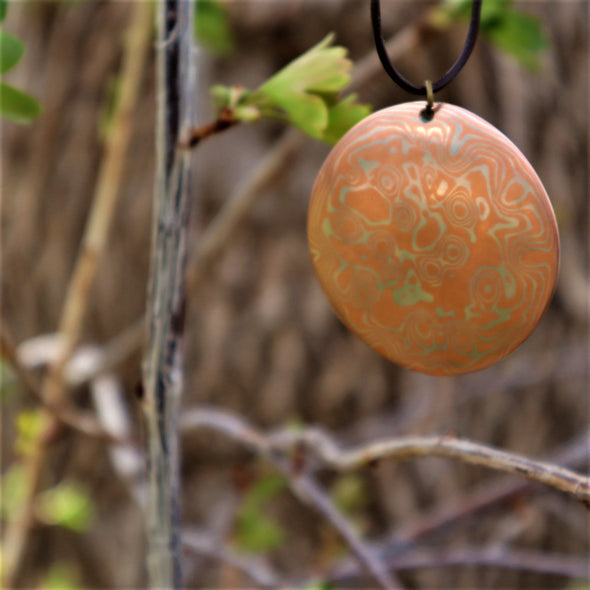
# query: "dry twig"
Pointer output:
{"type": "Point", "coordinates": [163, 368]}
{"type": "Point", "coordinates": [94, 240]}
{"type": "Point", "coordinates": [399, 449]}
{"type": "Point", "coordinates": [80, 421]}
{"type": "Point", "coordinates": [574, 567]}
{"type": "Point", "coordinates": [404, 448]}
{"type": "Point", "coordinates": [302, 485]}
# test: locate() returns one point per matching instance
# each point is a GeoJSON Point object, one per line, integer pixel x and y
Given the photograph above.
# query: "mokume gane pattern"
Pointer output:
{"type": "Point", "coordinates": [435, 242]}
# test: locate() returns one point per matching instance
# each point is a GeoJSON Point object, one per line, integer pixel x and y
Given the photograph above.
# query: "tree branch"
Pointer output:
{"type": "Point", "coordinates": [398, 449]}
{"type": "Point", "coordinates": [575, 567]}
{"type": "Point", "coordinates": [303, 486]}
{"type": "Point", "coordinates": [449, 447]}
{"type": "Point", "coordinates": [163, 359]}
{"type": "Point", "coordinates": [75, 306]}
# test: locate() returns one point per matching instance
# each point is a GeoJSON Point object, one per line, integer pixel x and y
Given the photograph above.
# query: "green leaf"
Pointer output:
{"type": "Point", "coordinates": [303, 87]}
{"type": "Point", "coordinates": [319, 586]}
{"type": "Point", "coordinates": [257, 532]}
{"type": "Point", "coordinates": [305, 93]}
{"type": "Point", "coordinates": [17, 106]}
{"type": "Point", "coordinates": [29, 424]}
{"type": "Point", "coordinates": [8, 381]}
{"type": "Point", "coordinates": [68, 505]}
{"type": "Point", "coordinates": [212, 28]}
{"type": "Point", "coordinates": [3, 9]}
{"type": "Point", "coordinates": [11, 50]}
{"type": "Point", "coordinates": [342, 116]}
{"type": "Point", "coordinates": [520, 35]}
{"type": "Point", "coordinates": [490, 10]}
{"type": "Point", "coordinates": [350, 493]}
{"type": "Point", "coordinates": [11, 490]}
{"type": "Point", "coordinates": [105, 116]}
{"type": "Point", "coordinates": [62, 576]}
{"type": "Point", "coordinates": [264, 490]}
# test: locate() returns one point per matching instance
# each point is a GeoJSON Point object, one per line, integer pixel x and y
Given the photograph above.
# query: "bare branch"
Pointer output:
{"type": "Point", "coordinates": [404, 448]}
{"type": "Point", "coordinates": [576, 452]}
{"type": "Point", "coordinates": [303, 486]}
{"type": "Point", "coordinates": [466, 451]}
{"type": "Point", "coordinates": [575, 567]}
{"type": "Point", "coordinates": [83, 422]}
{"type": "Point", "coordinates": [163, 369]}
{"type": "Point", "coordinates": [309, 492]}
{"type": "Point", "coordinates": [75, 306]}
{"type": "Point", "coordinates": [111, 423]}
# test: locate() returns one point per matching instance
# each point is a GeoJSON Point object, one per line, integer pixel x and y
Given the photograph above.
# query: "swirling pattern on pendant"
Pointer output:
{"type": "Point", "coordinates": [435, 242]}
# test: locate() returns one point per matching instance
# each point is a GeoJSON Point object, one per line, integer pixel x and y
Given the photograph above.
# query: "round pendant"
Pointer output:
{"type": "Point", "coordinates": [434, 241]}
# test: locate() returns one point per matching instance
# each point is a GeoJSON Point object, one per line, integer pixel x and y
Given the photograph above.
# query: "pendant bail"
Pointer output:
{"type": "Point", "coordinates": [428, 112]}
{"type": "Point", "coordinates": [429, 95]}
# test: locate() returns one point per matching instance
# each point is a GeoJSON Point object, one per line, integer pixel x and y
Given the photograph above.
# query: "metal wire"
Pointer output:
{"type": "Point", "coordinates": [398, 78]}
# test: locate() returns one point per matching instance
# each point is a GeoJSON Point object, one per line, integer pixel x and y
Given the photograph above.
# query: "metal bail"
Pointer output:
{"type": "Point", "coordinates": [427, 113]}
{"type": "Point", "coordinates": [429, 95]}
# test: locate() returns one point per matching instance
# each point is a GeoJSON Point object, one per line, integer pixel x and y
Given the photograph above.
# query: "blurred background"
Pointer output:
{"type": "Point", "coordinates": [262, 340]}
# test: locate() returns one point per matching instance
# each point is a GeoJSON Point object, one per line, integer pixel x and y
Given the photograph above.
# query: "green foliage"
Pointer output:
{"type": "Point", "coordinates": [68, 505]}
{"type": "Point", "coordinates": [15, 105]}
{"type": "Point", "coordinates": [11, 490]}
{"type": "Point", "coordinates": [62, 576]}
{"type": "Point", "coordinates": [8, 381]}
{"type": "Point", "coordinates": [105, 117]}
{"type": "Point", "coordinates": [29, 425]}
{"type": "Point", "coordinates": [342, 116]}
{"type": "Point", "coordinates": [212, 28]}
{"type": "Point", "coordinates": [256, 532]}
{"type": "Point", "coordinates": [305, 93]}
{"type": "Point", "coordinates": [319, 586]}
{"type": "Point", "coordinates": [350, 492]}
{"type": "Point", "coordinates": [519, 34]}
{"type": "Point", "coordinates": [11, 50]}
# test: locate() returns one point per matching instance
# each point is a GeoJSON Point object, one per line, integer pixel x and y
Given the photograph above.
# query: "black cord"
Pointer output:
{"type": "Point", "coordinates": [453, 71]}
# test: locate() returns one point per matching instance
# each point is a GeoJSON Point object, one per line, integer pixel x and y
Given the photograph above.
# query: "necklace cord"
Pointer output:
{"type": "Point", "coordinates": [403, 82]}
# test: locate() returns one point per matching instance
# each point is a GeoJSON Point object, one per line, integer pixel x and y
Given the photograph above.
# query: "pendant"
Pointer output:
{"type": "Point", "coordinates": [434, 240]}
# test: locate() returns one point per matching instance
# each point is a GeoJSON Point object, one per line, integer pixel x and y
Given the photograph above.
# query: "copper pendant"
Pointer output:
{"type": "Point", "coordinates": [434, 241]}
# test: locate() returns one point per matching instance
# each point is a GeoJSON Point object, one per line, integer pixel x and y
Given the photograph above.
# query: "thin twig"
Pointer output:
{"type": "Point", "coordinates": [573, 454]}
{"type": "Point", "coordinates": [74, 310]}
{"type": "Point", "coordinates": [225, 120]}
{"type": "Point", "coordinates": [111, 423]}
{"type": "Point", "coordinates": [163, 359]}
{"type": "Point", "coordinates": [575, 567]}
{"type": "Point", "coordinates": [83, 422]}
{"type": "Point", "coordinates": [105, 198]}
{"type": "Point", "coordinates": [278, 445]}
{"type": "Point", "coordinates": [308, 491]}
{"type": "Point", "coordinates": [302, 485]}
{"type": "Point", "coordinates": [404, 448]}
